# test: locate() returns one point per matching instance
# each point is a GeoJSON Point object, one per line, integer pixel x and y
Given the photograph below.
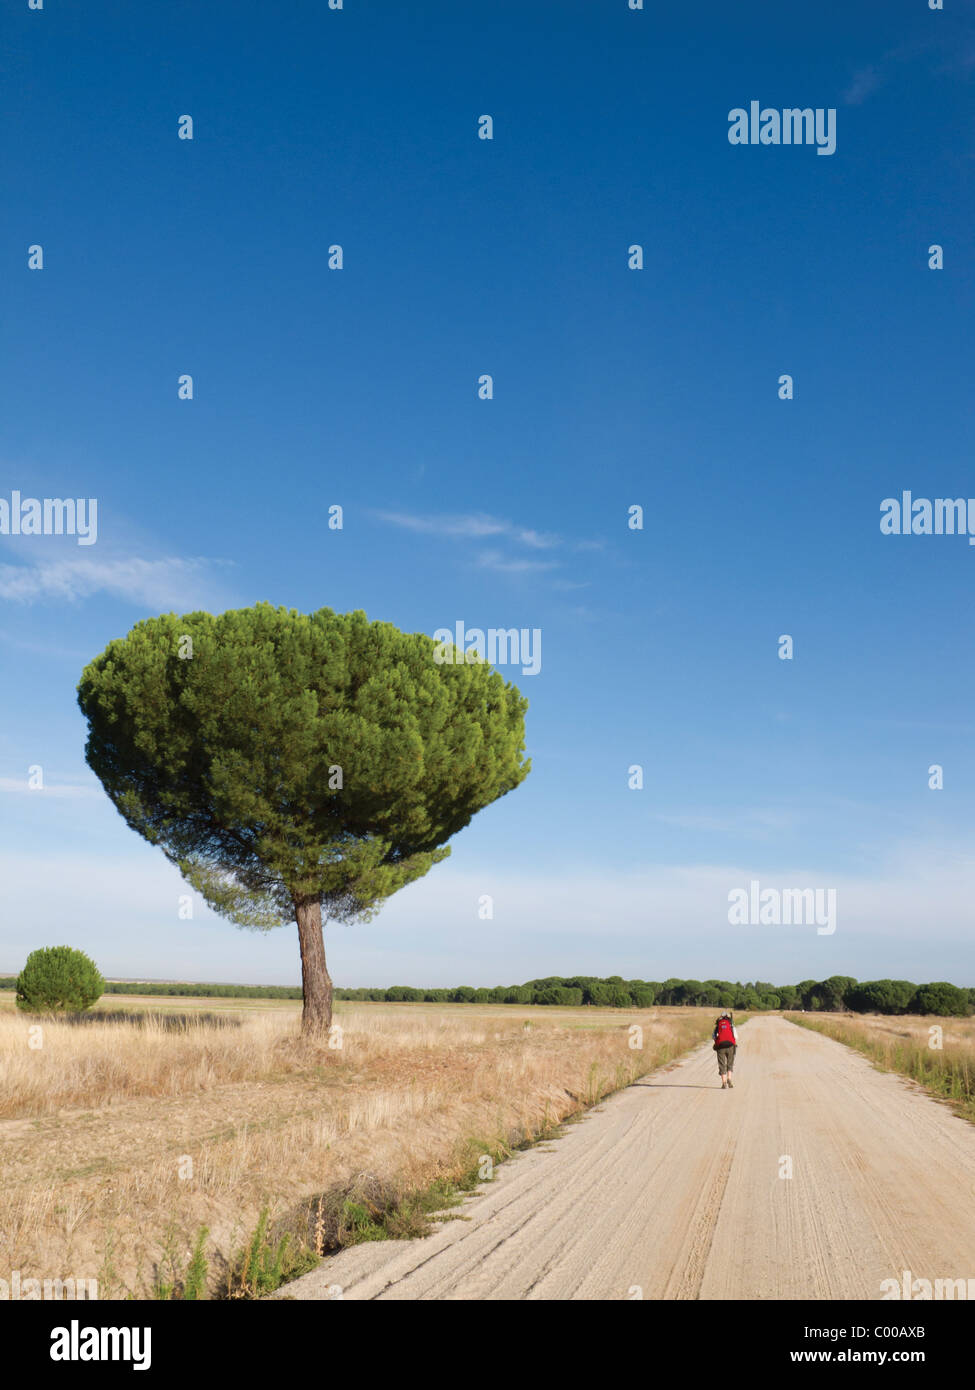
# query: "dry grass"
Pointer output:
{"type": "Point", "coordinates": [118, 1142]}
{"type": "Point", "coordinates": [97, 1064]}
{"type": "Point", "coordinates": [938, 1053]}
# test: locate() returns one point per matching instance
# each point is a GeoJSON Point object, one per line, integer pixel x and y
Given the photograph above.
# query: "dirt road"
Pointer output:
{"type": "Point", "coordinates": [673, 1188]}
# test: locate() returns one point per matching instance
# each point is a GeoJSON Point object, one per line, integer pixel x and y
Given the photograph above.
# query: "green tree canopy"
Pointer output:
{"type": "Point", "coordinates": [943, 998]}
{"type": "Point", "coordinates": [804, 990]}
{"type": "Point", "coordinates": [58, 979]}
{"type": "Point", "coordinates": [833, 992]}
{"type": "Point", "coordinates": [882, 996]}
{"type": "Point", "coordinates": [288, 763]}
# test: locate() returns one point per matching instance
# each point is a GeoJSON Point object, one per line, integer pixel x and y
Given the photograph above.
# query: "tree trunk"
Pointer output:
{"type": "Point", "coordinates": [316, 986]}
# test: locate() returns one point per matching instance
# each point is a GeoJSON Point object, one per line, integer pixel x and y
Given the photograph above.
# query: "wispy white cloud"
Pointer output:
{"type": "Point", "coordinates": [474, 526]}
{"type": "Point", "coordinates": [502, 564]}
{"type": "Point", "coordinates": [872, 76]}
{"type": "Point", "coordinates": [520, 552]}
{"type": "Point", "coordinates": [158, 584]}
{"type": "Point", "coordinates": [862, 84]}
{"type": "Point", "coordinates": [539, 540]}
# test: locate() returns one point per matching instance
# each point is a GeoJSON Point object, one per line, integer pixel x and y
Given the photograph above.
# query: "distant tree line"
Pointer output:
{"type": "Point", "coordinates": [838, 993]}
{"type": "Point", "coordinates": [189, 990]}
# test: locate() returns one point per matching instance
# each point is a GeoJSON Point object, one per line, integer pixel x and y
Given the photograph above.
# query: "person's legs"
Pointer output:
{"type": "Point", "coordinates": [723, 1066]}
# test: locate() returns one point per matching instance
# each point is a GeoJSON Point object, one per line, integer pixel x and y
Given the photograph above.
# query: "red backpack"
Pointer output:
{"type": "Point", "coordinates": [725, 1033]}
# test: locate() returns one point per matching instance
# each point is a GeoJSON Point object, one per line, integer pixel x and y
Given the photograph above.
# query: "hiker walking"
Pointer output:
{"type": "Point", "coordinates": [725, 1045]}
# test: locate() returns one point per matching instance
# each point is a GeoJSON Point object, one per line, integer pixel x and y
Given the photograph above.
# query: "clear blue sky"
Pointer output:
{"type": "Point", "coordinates": [612, 387]}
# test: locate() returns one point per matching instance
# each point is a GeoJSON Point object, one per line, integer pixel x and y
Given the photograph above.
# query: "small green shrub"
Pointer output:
{"type": "Point", "coordinates": [195, 1286]}
{"type": "Point", "coordinates": [58, 979]}
{"type": "Point", "coordinates": [269, 1261]}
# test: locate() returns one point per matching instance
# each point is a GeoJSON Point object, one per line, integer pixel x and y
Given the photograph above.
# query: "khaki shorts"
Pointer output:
{"type": "Point", "coordinates": [726, 1059]}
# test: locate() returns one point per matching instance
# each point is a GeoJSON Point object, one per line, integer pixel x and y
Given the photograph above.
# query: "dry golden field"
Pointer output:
{"type": "Point", "coordinates": [121, 1139]}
